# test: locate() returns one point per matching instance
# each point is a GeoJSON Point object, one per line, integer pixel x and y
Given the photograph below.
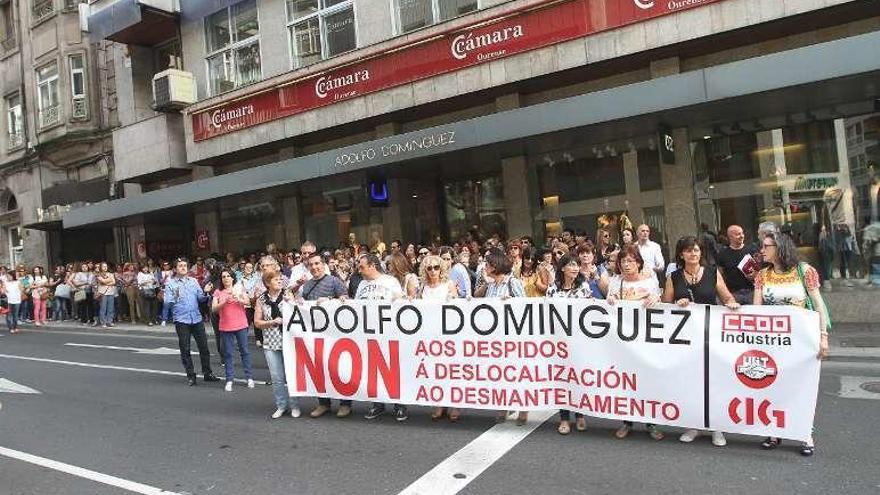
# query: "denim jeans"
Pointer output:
{"type": "Point", "coordinates": [166, 311]}
{"type": "Point", "coordinates": [197, 331]}
{"type": "Point", "coordinates": [275, 360]}
{"type": "Point", "coordinates": [12, 317]}
{"type": "Point", "coordinates": [108, 310]}
{"type": "Point", "coordinates": [231, 340]}
{"type": "Point", "coordinates": [59, 308]}
{"type": "Point", "coordinates": [25, 310]}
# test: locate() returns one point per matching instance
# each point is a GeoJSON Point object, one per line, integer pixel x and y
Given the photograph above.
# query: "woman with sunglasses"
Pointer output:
{"type": "Point", "coordinates": [570, 283]}
{"type": "Point", "coordinates": [605, 247]}
{"type": "Point", "coordinates": [434, 285]}
{"type": "Point", "coordinates": [514, 252]}
{"type": "Point", "coordinates": [696, 282]}
{"type": "Point", "coordinates": [229, 303]}
{"type": "Point", "coordinates": [632, 283]}
{"type": "Point", "coordinates": [528, 274]}
{"type": "Point", "coordinates": [786, 281]}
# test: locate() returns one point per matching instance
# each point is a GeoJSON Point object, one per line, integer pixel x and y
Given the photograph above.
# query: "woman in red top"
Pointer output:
{"type": "Point", "coordinates": [229, 302]}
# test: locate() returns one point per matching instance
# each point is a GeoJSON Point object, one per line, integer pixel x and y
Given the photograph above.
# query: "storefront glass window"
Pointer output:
{"type": "Point", "coordinates": [818, 180]}
{"type": "Point", "coordinates": [475, 207]}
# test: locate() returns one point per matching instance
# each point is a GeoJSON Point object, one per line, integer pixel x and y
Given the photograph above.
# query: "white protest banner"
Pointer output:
{"type": "Point", "coordinates": [749, 371]}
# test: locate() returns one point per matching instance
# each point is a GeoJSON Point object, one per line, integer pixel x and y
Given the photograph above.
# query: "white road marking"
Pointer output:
{"type": "Point", "coordinates": [10, 387]}
{"type": "Point", "coordinates": [455, 472]}
{"type": "Point", "coordinates": [131, 486]}
{"type": "Point", "coordinates": [108, 367]}
{"type": "Point", "coordinates": [166, 351]}
{"type": "Point", "coordinates": [850, 387]}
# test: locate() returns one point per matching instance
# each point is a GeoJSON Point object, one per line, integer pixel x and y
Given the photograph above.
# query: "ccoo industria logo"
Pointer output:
{"type": "Point", "coordinates": [220, 116]}
{"type": "Point", "coordinates": [465, 43]}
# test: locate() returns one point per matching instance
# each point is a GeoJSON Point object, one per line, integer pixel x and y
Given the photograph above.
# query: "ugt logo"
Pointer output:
{"type": "Point", "coordinates": [750, 410]}
{"type": "Point", "coordinates": [756, 369]}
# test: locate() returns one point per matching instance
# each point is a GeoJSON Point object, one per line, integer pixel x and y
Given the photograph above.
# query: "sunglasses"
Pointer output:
{"type": "Point", "coordinates": [423, 253]}
{"type": "Point", "coordinates": [433, 268]}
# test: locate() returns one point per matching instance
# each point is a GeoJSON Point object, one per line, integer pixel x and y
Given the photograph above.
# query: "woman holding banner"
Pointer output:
{"type": "Point", "coordinates": [434, 285]}
{"type": "Point", "coordinates": [788, 282]}
{"type": "Point", "coordinates": [631, 283]}
{"type": "Point", "coordinates": [497, 282]}
{"type": "Point", "coordinates": [695, 282]}
{"type": "Point", "coordinates": [267, 317]}
{"type": "Point", "coordinates": [570, 283]}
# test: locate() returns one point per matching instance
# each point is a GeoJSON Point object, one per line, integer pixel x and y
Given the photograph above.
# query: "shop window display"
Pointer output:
{"type": "Point", "coordinates": [817, 179]}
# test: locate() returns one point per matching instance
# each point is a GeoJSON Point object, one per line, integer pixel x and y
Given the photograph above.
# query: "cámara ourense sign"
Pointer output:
{"type": "Point", "coordinates": [474, 45]}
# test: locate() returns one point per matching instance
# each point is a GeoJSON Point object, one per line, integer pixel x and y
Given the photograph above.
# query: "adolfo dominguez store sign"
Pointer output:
{"type": "Point", "coordinates": [472, 45]}
{"type": "Point", "coordinates": [399, 148]}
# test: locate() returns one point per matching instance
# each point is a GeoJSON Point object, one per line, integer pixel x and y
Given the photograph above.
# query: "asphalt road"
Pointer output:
{"type": "Point", "coordinates": [152, 429]}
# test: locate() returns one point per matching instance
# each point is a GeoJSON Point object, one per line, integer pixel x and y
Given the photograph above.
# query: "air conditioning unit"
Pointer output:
{"type": "Point", "coordinates": [173, 89]}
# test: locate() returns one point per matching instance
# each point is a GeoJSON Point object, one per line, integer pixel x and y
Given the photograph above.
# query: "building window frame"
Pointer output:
{"type": "Point", "coordinates": [9, 43]}
{"type": "Point", "coordinates": [227, 53]}
{"type": "Point", "coordinates": [79, 100]}
{"type": "Point", "coordinates": [48, 115]}
{"type": "Point", "coordinates": [321, 14]}
{"type": "Point", "coordinates": [14, 121]}
{"type": "Point", "coordinates": [436, 16]}
{"type": "Point", "coordinates": [42, 10]}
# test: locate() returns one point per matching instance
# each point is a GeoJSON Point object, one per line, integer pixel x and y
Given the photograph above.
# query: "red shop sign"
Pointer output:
{"type": "Point", "coordinates": [467, 47]}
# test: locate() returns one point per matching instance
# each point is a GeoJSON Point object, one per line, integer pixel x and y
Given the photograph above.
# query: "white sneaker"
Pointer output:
{"type": "Point", "coordinates": [295, 412]}
{"type": "Point", "coordinates": [718, 439]}
{"type": "Point", "coordinates": [278, 413]}
{"type": "Point", "coordinates": [250, 383]}
{"type": "Point", "coordinates": [689, 436]}
{"type": "Point", "coordinates": [164, 323]}
{"type": "Point", "coordinates": [228, 387]}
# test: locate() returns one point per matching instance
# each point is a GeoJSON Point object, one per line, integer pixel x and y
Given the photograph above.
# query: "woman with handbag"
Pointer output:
{"type": "Point", "coordinates": [61, 301]}
{"type": "Point", "coordinates": [40, 295]}
{"type": "Point", "coordinates": [789, 282]}
{"type": "Point", "coordinates": [13, 290]}
{"type": "Point", "coordinates": [147, 287]}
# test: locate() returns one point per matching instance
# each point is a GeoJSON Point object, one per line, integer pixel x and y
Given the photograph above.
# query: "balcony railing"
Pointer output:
{"type": "Point", "coordinates": [42, 9]}
{"type": "Point", "coordinates": [15, 140]}
{"type": "Point", "coordinates": [80, 109]}
{"type": "Point", "coordinates": [50, 116]}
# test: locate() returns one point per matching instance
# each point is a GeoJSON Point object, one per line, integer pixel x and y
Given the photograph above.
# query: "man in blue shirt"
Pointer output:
{"type": "Point", "coordinates": [185, 295]}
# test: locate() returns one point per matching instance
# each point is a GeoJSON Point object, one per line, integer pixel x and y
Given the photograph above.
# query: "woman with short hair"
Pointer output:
{"type": "Point", "coordinates": [594, 273]}
{"type": "Point", "coordinates": [497, 282]}
{"type": "Point", "coordinates": [267, 317]}
{"type": "Point", "coordinates": [632, 283]}
{"type": "Point", "coordinates": [786, 281]}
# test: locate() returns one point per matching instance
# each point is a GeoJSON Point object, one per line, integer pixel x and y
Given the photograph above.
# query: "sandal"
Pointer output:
{"type": "Point", "coordinates": [808, 450]}
{"type": "Point", "coordinates": [580, 424]}
{"type": "Point", "coordinates": [623, 432]}
{"type": "Point", "coordinates": [454, 415]}
{"type": "Point", "coordinates": [438, 413]}
{"type": "Point", "coordinates": [771, 443]}
{"type": "Point", "coordinates": [655, 433]}
{"type": "Point", "coordinates": [564, 428]}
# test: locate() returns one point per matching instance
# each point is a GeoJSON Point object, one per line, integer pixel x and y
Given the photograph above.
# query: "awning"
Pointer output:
{"type": "Point", "coordinates": [135, 22]}
{"type": "Point", "coordinates": [836, 72]}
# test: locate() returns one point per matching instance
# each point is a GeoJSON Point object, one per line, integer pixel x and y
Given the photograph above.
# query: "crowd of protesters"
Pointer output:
{"type": "Point", "coordinates": [237, 294]}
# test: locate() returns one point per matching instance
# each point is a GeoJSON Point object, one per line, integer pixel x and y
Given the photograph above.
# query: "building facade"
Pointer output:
{"type": "Point", "coordinates": [430, 120]}
{"type": "Point", "coordinates": [55, 151]}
